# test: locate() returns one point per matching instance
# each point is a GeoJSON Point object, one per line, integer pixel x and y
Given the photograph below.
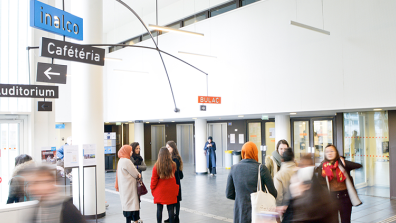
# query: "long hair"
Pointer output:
{"type": "Point", "coordinates": [175, 153]}
{"type": "Point", "coordinates": [337, 154]}
{"type": "Point", "coordinates": [134, 146]}
{"type": "Point", "coordinates": [282, 141]}
{"type": "Point", "coordinates": [165, 166]}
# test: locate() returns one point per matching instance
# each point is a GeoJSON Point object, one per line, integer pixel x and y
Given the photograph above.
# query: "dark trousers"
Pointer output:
{"type": "Point", "coordinates": [170, 207]}
{"type": "Point", "coordinates": [344, 205]}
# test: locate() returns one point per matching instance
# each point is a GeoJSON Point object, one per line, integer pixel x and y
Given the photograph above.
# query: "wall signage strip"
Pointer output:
{"type": "Point", "coordinates": [209, 100]}
{"type": "Point", "coordinates": [51, 19]}
{"type": "Point", "coordinates": [70, 51]}
{"type": "Point", "coordinates": [28, 91]}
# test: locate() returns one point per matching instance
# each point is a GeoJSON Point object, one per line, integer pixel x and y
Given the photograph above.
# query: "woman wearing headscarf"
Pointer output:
{"type": "Point", "coordinates": [17, 192]}
{"type": "Point", "coordinates": [210, 152]}
{"type": "Point", "coordinates": [242, 181]}
{"type": "Point", "coordinates": [274, 162]}
{"type": "Point", "coordinates": [126, 184]}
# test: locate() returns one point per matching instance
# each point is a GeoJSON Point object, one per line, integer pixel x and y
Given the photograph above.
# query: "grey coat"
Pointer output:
{"type": "Point", "coordinates": [127, 185]}
{"type": "Point", "coordinates": [241, 182]}
{"type": "Point", "coordinates": [141, 167]}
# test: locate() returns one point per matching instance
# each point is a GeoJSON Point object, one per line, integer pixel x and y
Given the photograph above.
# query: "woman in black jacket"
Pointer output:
{"type": "Point", "coordinates": [171, 146]}
{"type": "Point", "coordinates": [334, 174]}
{"type": "Point", "coordinates": [17, 192]}
{"type": "Point", "coordinates": [137, 159]}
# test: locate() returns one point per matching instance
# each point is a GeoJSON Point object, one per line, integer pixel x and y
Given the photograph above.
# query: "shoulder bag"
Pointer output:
{"type": "Point", "coordinates": [263, 204]}
{"type": "Point", "coordinates": [141, 188]}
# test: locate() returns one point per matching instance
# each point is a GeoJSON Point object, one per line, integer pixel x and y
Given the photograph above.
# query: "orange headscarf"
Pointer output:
{"type": "Point", "coordinates": [249, 151]}
{"type": "Point", "coordinates": [124, 152]}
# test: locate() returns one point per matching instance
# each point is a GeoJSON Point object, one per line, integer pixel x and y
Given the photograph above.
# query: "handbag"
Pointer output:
{"type": "Point", "coordinates": [263, 204]}
{"type": "Point", "coordinates": [141, 188]}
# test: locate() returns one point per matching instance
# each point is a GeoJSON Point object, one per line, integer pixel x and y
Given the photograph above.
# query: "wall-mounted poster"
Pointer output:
{"type": "Point", "coordinates": [232, 138]}
{"type": "Point", "coordinates": [241, 138]}
{"type": "Point", "coordinates": [89, 152]}
{"type": "Point", "coordinates": [48, 155]}
{"type": "Point", "coordinates": [272, 133]}
{"type": "Point", "coordinates": [71, 156]}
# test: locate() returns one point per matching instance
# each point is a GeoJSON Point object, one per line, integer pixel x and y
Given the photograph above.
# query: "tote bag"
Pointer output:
{"type": "Point", "coordinates": [263, 204]}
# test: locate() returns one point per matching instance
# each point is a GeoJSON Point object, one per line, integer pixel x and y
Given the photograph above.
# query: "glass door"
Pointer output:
{"type": "Point", "coordinates": [254, 132]}
{"type": "Point", "coordinates": [10, 142]}
{"type": "Point", "coordinates": [262, 133]}
{"type": "Point", "coordinates": [311, 136]}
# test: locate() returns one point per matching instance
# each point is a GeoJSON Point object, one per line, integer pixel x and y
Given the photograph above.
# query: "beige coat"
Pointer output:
{"type": "Point", "coordinates": [282, 182]}
{"type": "Point", "coordinates": [127, 185]}
{"type": "Point", "coordinates": [270, 163]}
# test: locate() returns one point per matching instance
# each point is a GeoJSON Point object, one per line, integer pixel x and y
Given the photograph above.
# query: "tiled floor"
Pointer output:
{"type": "Point", "coordinates": [204, 201]}
{"type": "Point", "coordinates": [375, 191]}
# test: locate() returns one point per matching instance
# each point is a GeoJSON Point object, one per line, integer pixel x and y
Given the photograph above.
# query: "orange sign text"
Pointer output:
{"type": "Point", "coordinates": [209, 100]}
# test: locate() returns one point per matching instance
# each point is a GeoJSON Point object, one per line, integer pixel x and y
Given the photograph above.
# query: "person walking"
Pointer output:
{"type": "Point", "coordinates": [242, 181]}
{"type": "Point", "coordinates": [210, 152]}
{"type": "Point", "coordinates": [273, 163]}
{"type": "Point", "coordinates": [282, 183]}
{"type": "Point", "coordinates": [163, 184]}
{"type": "Point", "coordinates": [17, 192]}
{"type": "Point", "coordinates": [171, 146]}
{"type": "Point", "coordinates": [137, 159]}
{"type": "Point", "coordinates": [334, 173]}
{"type": "Point", "coordinates": [126, 184]}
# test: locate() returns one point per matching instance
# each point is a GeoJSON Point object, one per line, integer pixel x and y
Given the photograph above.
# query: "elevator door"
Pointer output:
{"type": "Point", "coordinates": [157, 140]}
{"type": "Point", "coordinates": [10, 141]}
{"type": "Point", "coordinates": [185, 142]}
{"type": "Point", "coordinates": [219, 133]}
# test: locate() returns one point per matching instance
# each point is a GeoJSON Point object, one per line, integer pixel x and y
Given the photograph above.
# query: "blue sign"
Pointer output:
{"type": "Point", "coordinates": [53, 148]}
{"type": "Point", "coordinates": [59, 126]}
{"type": "Point", "coordinates": [51, 19]}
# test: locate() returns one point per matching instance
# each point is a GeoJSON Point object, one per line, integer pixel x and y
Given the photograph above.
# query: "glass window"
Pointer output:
{"type": "Point", "coordinates": [366, 141]}
{"type": "Point", "coordinates": [270, 137]}
{"type": "Point", "coordinates": [301, 139]}
{"type": "Point", "coordinates": [176, 25]}
{"type": "Point", "coordinates": [133, 41]}
{"type": "Point", "coordinates": [222, 9]}
{"type": "Point", "coordinates": [255, 136]}
{"type": "Point", "coordinates": [247, 2]}
{"type": "Point", "coordinates": [322, 135]}
{"type": "Point", "coordinates": [147, 35]}
{"type": "Point", "coordinates": [194, 19]}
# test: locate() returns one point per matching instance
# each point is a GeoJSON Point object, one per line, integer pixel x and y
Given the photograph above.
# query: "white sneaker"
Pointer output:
{"type": "Point", "coordinates": [140, 221]}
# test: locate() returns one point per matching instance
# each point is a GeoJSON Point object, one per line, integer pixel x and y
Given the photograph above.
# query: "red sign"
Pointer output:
{"type": "Point", "coordinates": [0, 180]}
{"type": "Point", "coordinates": [209, 100]}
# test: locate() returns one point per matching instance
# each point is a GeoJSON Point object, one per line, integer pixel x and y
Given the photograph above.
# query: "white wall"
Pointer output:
{"type": "Point", "coordinates": [264, 64]}
{"type": "Point", "coordinates": [63, 134]}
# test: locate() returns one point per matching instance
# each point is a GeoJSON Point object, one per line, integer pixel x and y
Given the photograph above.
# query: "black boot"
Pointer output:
{"type": "Point", "coordinates": [177, 219]}
{"type": "Point", "coordinates": [167, 220]}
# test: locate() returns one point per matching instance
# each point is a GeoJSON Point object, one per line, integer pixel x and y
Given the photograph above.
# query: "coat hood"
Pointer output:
{"type": "Point", "coordinates": [22, 167]}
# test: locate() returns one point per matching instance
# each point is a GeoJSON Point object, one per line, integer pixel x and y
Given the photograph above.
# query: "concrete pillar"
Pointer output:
{"type": "Point", "coordinates": [282, 128]}
{"type": "Point", "coordinates": [87, 105]}
{"type": "Point", "coordinates": [139, 136]}
{"type": "Point", "coordinates": [200, 139]}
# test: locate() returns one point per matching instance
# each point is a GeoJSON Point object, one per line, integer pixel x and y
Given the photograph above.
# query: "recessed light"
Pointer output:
{"type": "Point", "coordinates": [377, 109]}
{"type": "Point", "coordinates": [293, 113]}
{"type": "Point", "coordinates": [194, 118]}
{"type": "Point", "coordinates": [240, 116]}
{"type": "Point", "coordinates": [173, 121]}
{"type": "Point", "coordinates": [161, 120]}
{"type": "Point", "coordinates": [219, 118]}
{"type": "Point", "coordinates": [147, 122]}
{"type": "Point", "coordinates": [130, 121]}
{"type": "Point", "coordinates": [107, 122]}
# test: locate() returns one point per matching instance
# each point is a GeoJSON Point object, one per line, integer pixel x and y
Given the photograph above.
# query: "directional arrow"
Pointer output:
{"type": "Point", "coordinates": [44, 106]}
{"type": "Point", "coordinates": [48, 73]}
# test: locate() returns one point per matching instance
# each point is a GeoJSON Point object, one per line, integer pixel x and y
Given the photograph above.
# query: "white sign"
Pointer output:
{"type": "Point", "coordinates": [71, 156]}
{"type": "Point", "coordinates": [272, 133]}
{"type": "Point", "coordinates": [241, 138]}
{"type": "Point", "coordinates": [89, 155]}
{"type": "Point", "coordinates": [232, 138]}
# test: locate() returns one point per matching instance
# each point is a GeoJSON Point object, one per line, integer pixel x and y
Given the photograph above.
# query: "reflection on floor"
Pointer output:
{"type": "Point", "coordinates": [204, 201]}
{"type": "Point", "coordinates": [375, 191]}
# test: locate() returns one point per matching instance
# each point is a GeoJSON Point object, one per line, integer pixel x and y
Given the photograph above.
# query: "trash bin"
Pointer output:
{"type": "Point", "coordinates": [236, 157]}
{"type": "Point", "coordinates": [228, 159]}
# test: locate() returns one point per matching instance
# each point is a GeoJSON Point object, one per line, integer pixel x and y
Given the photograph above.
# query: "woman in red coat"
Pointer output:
{"type": "Point", "coordinates": [163, 184]}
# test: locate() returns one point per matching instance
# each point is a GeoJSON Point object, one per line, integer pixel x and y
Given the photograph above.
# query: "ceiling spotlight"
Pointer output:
{"type": "Point", "coordinates": [293, 113]}
{"type": "Point", "coordinates": [107, 122]}
{"type": "Point", "coordinates": [173, 121]}
{"type": "Point", "coordinates": [130, 121]}
{"type": "Point", "coordinates": [147, 122]}
{"type": "Point", "coordinates": [240, 116]}
{"type": "Point", "coordinates": [194, 118]}
{"type": "Point", "coordinates": [168, 29]}
{"type": "Point", "coordinates": [377, 109]}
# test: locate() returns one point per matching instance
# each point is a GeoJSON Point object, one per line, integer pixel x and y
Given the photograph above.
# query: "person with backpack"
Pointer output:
{"type": "Point", "coordinates": [243, 180]}
{"type": "Point", "coordinates": [18, 184]}
{"type": "Point", "coordinates": [163, 184]}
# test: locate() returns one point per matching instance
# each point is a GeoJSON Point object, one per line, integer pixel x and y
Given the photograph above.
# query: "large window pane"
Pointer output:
{"type": "Point", "coordinates": [301, 139]}
{"type": "Point", "coordinates": [195, 19]}
{"type": "Point", "coordinates": [247, 2]}
{"type": "Point", "coordinates": [255, 136]}
{"type": "Point", "coordinates": [323, 135]}
{"type": "Point", "coordinates": [223, 9]}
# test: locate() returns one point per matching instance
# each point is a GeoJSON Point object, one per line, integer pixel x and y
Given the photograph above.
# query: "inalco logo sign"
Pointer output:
{"type": "Point", "coordinates": [71, 51]}
{"type": "Point", "coordinates": [51, 19]}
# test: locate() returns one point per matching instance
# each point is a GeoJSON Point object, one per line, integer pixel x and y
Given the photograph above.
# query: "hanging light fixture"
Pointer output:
{"type": "Point", "coordinates": [168, 29]}
{"type": "Point", "coordinates": [309, 27]}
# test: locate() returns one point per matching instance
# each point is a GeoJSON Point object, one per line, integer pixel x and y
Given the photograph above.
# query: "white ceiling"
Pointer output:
{"type": "Point", "coordinates": [115, 13]}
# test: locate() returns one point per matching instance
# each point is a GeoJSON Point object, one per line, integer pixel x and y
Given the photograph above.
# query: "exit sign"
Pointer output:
{"type": "Point", "coordinates": [209, 100]}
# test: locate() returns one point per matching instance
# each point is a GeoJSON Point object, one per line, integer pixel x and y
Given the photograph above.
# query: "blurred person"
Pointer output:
{"type": "Point", "coordinates": [18, 184]}
{"type": "Point", "coordinates": [274, 162]}
{"type": "Point", "coordinates": [310, 201]}
{"type": "Point", "coordinates": [163, 184]}
{"type": "Point", "coordinates": [210, 152]}
{"type": "Point", "coordinates": [126, 184]}
{"type": "Point", "coordinates": [59, 152]}
{"type": "Point", "coordinates": [282, 183]}
{"type": "Point", "coordinates": [137, 159]}
{"type": "Point", "coordinates": [52, 206]}
{"type": "Point", "coordinates": [242, 181]}
{"type": "Point", "coordinates": [334, 174]}
{"type": "Point", "coordinates": [171, 146]}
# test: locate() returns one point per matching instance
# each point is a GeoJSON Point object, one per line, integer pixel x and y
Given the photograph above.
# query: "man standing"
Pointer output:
{"type": "Point", "coordinates": [210, 152]}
